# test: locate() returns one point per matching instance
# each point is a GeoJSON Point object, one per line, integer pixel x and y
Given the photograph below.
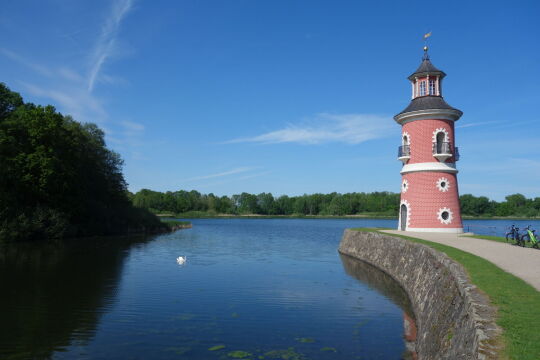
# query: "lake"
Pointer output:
{"type": "Point", "coordinates": [251, 288]}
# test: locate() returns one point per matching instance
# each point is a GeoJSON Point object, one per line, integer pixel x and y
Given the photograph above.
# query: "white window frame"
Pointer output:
{"type": "Point", "coordinates": [423, 88]}
{"type": "Point", "coordinates": [432, 87]}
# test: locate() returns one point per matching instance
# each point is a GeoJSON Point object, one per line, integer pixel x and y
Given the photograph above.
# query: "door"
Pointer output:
{"type": "Point", "coordinates": [403, 217]}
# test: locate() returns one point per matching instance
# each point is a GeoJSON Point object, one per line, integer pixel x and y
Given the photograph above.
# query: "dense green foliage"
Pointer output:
{"type": "Point", "coordinates": [334, 204]}
{"type": "Point", "coordinates": [518, 313]}
{"type": "Point", "coordinates": [58, 179]}
{"type": "Point", "coordinates": [515, 205]}
{"type": "Point", "coordinates": [181, 202]}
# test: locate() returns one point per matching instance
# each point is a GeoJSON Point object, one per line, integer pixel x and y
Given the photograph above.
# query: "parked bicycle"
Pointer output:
{"type": "Point", "coordinates": [513, 234]}
{"type": "Point", "coordinates": [529, 236]}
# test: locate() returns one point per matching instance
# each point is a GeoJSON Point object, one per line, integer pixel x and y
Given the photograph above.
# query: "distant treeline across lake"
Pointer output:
{"type": "Point", "coordinates": [193, 203]}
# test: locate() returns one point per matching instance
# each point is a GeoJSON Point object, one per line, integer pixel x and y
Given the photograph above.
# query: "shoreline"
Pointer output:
{"type": "Point", "coordinates": [358, 216]}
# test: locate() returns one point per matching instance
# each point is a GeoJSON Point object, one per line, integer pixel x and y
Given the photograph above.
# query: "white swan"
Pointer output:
{"type": "Point", "coordinates": [181, 260]}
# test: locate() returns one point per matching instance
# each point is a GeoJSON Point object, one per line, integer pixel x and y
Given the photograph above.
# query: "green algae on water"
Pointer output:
{"type": "Point", "coordinates": [217, 347]}
{"type": "Point", "coordinates": [234, 315]}
{"type": "Point", "coordinates": [238, 354]}
{"type": "Point", "coordinates": [305, 340]}
{"type": "Point", "coordinates": [328, 348]}
{"type": "Point", "coordinates": [288, 354]}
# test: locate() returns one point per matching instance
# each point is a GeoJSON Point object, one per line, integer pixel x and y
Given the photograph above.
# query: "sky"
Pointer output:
{"type": "Point", "coordinates": [285, 96]}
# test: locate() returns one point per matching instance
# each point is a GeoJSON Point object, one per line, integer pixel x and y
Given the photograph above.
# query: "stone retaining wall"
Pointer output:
{"type": "Point", "coordinates": [455, 320]}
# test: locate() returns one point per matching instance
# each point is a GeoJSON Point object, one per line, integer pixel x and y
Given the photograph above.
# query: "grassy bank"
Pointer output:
{"type": "Point", "coordinates": [517, 302]}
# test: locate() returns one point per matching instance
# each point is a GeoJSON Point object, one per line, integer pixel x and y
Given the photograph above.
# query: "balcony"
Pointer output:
{"type": "Point", "coordinates": [404, 153]}
{"type": "Point", "coordinates": [443, 151]}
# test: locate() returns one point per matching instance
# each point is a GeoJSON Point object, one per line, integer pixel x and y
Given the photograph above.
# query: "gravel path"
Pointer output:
{"type": "Point", "coordinates": [521, 262]}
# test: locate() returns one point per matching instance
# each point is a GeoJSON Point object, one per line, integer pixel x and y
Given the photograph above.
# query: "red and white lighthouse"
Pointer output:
{"type": "Point", "coordinates": [429, 188]}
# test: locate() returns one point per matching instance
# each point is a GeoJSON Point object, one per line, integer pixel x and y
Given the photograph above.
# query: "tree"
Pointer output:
{"type": "Point", "coordinates": [58, 178]}
{"type": "Point", "coordinates": [247, 204]}
{"type": "Point", "coordinates": [9, 101]}
{"type": "Point", "coordinates": [265, 202]}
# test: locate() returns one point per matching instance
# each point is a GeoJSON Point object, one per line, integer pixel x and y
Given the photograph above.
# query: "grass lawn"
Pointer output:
{"type": "Point", "coordinates": [518, 303]}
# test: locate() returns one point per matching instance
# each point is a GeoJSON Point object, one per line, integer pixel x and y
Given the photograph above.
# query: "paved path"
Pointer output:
{"type": "Point", "coordinates": [521, 262]}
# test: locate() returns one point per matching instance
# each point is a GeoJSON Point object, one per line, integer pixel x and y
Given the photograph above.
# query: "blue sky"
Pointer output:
{"type": "Point", "coordinates": [288, 97]}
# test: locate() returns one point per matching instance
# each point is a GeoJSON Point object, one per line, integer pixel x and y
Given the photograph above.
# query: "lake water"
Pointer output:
{"type": "Point", "coordinates": [268, 288]}
{"type": "Point", "coordinates": [272, 288]}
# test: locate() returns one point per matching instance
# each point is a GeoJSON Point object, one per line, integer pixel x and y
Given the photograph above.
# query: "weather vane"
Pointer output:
{"type": "Point", "coordinates": [426, 35]}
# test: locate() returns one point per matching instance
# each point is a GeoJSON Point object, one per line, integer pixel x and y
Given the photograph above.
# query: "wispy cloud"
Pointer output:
{"type": "Point", "coordinates": [222, 174]}
{"type": "Point", "coordinates": [69, 89]}
{"type": "Point", "coordinates": [461, 126]}
{"type": "Point", "coordinates": [346, 128]}
{"type": "Point", "coordinates": [233, 179]}
{"type": "Point", "coordinates": [254, 175]}
{"type": "Point", "coordinates": [75, 101]}
{"type": "Point", "coordinates": [132, 126]}
{"type": "Point", "coordinates": [40, 69]}
{"type": "Point", "coordinates": [106, 42]}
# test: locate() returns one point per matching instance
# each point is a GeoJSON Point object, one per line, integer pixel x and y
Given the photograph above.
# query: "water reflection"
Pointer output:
{"type": "Point", "coordinates": [386, 285]}
{"type": "Point", "coordinates": [54, 294]}
{"type": "Point", "coordinates": [265, 287]}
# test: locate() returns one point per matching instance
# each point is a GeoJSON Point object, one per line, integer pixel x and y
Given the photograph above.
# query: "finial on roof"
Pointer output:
{"type": "Point", "coordinates": [426, 55]}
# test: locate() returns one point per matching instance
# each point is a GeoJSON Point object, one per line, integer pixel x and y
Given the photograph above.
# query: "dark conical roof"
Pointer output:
{"type": "Point", "coordinates": [427, 102]}
{"type": "Point", "coordinates": [430, 101]}
{"type": "Point", "coordinates": [426, 68]}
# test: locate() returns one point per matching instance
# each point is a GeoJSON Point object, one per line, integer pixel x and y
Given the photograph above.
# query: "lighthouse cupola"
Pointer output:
{"type": "Point", "coordinates": [429, 191]}
{"type": "Point", "coordinates": [427, 79]}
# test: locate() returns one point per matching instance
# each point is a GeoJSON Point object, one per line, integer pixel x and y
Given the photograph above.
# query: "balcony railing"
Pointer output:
{"type": "Point", "coordinates": [404, 153]}
{"type": "Point", "coordinates": [443, 151]}
{"type": "Point", "coordinates": [404, 150]}
{"type": "Point", "coordinates": [442, 148]}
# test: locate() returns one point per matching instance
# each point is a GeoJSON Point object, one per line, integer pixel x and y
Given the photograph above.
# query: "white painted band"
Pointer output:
{"type": "Point", "coordinates": [439, 230]}
{"type": "Point", "coordinates": [429, 166]}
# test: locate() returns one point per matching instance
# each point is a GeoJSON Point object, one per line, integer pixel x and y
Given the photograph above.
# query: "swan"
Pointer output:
{"type": "Point", "coordinates": [181, 260]}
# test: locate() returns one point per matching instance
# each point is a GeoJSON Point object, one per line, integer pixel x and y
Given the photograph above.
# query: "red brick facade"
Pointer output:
{"type": "Point", "coordinates": [426, 200]}
{"type": "Point", "coordinates": [429, 188]}
{"type": "Point", "coordinates": [422, 136]}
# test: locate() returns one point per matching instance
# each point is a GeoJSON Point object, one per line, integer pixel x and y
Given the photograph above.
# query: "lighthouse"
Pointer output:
{"type": "Point", "coordinates": [429, 188]}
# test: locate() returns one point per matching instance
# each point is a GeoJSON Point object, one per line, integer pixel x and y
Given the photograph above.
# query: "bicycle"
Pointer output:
{"type": "Point", "coordinates": [530, 236]}
{"type": "Point", "coordinates": [513, 234]}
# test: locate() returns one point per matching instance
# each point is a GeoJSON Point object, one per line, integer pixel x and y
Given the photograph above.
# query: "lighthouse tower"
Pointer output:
{"type": "Point", "coordinates": [429, 188]}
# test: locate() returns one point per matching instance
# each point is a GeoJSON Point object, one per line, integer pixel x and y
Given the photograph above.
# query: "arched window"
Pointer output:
{"type": "Point", "coordinates": [440, 142]}
{"type": "Point", "coordinates": [405, 140]}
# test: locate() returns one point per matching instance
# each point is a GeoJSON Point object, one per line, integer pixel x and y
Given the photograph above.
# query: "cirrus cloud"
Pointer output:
{"type": "Point", "coordinates": [326, 127]}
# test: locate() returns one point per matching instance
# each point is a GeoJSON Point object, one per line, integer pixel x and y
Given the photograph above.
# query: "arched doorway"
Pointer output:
{"type": "Point", "coordinates": [403, 215]}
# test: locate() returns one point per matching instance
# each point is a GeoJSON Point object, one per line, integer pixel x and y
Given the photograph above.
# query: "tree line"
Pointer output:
{"type": "Point", "coordinates": [57, 177]}
{"type": "Point", "coordinates": [334, 204]}
{"type": "Point", "coordinates": [266, 204]}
